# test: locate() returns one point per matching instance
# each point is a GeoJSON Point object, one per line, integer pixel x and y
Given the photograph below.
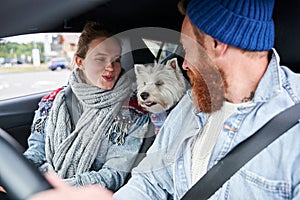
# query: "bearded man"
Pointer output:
{"type": "Point", "coordinates": [238, 85]}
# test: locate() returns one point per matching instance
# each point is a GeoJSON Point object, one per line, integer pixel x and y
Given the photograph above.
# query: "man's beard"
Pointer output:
{"type": "Point", "coordinates": [207, 88]}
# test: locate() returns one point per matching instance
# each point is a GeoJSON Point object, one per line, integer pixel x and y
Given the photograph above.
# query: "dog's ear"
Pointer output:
{"type": "Point", "coordinates": [173, 63]}
{"type": "Point", "coordinates": [138, 68]}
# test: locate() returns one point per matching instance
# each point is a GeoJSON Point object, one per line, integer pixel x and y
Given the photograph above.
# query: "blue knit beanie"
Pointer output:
{"type": "Point", "coordinates": [246, 24]}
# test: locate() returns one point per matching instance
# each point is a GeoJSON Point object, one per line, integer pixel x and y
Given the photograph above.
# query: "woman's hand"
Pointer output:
{"type": "Point", "coordinates": [62, 191]}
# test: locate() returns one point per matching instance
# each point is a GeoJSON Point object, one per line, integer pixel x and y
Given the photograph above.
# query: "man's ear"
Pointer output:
{"type": "Point", "coordinates": [220, 48]}
{"type": "Point", "coordinates": [79, 62]}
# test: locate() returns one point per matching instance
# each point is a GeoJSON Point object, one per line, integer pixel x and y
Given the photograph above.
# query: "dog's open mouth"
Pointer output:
{"type": "Point", "coordinates": [150, 103]}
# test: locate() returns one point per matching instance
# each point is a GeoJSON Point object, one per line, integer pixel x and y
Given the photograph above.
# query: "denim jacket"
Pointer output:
{"type": "Point", "coordinates": [113, 162]}
{"type": "Point", "coordinates": [273, 174]}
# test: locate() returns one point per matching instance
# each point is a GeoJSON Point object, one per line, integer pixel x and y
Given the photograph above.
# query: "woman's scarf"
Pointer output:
{"type": "Point", "coordinates": [69, 153]}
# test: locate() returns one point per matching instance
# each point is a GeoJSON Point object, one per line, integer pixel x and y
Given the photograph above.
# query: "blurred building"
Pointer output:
{"type": "Point", "coordinates": [61, 45]}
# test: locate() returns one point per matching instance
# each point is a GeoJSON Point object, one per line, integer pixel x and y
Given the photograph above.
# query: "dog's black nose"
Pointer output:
{"type": "Point", "coordinates": [144, 95]}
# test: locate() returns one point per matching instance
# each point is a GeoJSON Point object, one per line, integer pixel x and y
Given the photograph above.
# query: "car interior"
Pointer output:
{"type": "Point", "coordinates": [42, 16]}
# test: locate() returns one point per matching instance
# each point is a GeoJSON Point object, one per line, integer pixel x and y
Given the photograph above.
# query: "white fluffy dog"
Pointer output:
{"type": "Point", "coordinates": [159, 88]}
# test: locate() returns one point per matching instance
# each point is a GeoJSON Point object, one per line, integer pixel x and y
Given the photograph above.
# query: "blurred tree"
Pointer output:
{"type": "Point", "coordinates": [14, 49]}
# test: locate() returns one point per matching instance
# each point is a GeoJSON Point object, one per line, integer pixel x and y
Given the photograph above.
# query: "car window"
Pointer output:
{"type": "Point", "coordinates": [160, 49]}
{"type": "Point", "coordinates": [35, 63]}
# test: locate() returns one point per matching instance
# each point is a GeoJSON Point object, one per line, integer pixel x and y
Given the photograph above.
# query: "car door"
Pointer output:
{"type": "Point", "coordinates": [16, 115]}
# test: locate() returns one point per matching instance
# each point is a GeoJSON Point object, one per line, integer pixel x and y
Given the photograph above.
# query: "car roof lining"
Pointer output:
{"type": "Point", "coordinates": [62, 19]}
{"type": "Point", "coordinates": [46, 16]}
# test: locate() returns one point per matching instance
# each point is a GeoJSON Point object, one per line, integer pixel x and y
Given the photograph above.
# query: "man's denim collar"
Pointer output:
{"type": "Point", "coordinates": [269, 86]}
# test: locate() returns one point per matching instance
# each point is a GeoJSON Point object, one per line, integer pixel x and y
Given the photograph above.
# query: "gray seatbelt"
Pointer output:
{"type": "Point", "coordinates": [73, 106]}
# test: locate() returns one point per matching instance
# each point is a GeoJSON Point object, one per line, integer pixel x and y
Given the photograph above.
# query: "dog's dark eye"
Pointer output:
{"type": "Point", "coordinates": [144, 83]}
{"type": "Point", "coordinates": [159, 83]}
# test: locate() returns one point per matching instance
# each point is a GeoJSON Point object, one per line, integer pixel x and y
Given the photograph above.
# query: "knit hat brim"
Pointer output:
{"type": "Point", "coordinates": [232, 28]}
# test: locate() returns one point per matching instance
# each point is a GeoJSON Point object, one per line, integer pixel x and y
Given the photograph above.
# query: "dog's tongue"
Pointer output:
{"type": "Point", "coordinates": [149, 104]}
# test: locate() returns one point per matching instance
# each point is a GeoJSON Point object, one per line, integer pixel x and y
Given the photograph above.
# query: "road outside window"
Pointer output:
{"type": "Point", "coordinates": [35, 63]}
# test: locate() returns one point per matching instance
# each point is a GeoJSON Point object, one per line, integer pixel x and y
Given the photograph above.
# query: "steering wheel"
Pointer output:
{"type": "Point", "coordinates": [18, 176]}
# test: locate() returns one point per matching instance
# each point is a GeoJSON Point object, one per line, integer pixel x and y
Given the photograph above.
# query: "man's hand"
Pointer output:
{"type": "Point", "coordinates": [62, 191]}
{"type": "Point", "coordinates": [2, 189]}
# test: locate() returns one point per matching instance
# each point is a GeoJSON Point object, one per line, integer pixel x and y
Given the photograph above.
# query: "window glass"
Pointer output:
{"type": "Point", "coordinates": [35, 62]}
{"type": "Point", "coordinates": [160, 49]}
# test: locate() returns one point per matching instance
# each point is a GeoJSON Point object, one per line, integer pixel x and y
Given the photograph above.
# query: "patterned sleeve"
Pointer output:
{"type": "Point", "coordinates": [36, 141]}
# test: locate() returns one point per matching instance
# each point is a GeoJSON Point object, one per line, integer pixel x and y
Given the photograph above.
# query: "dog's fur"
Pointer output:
{"type": "Point", "coordinates": [159, 87]}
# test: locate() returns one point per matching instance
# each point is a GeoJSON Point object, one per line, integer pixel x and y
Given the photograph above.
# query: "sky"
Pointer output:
{"type": "Point", "coordinates": [39, 37]}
